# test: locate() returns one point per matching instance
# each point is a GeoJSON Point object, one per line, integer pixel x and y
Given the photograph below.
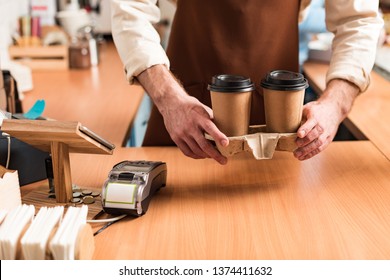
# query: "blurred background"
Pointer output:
{"type": "Point", "coordinates": [70, 34]}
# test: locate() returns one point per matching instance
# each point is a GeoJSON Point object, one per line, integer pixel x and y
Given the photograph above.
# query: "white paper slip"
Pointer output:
{"type": "Point", "coordinates": [14, 225]}
{"type": "Point", "coordinates": [35, 241]}
{"type": "Point", "coordinates": [10, 197]}
{"type": "Point", "coordinates": [63, 244]}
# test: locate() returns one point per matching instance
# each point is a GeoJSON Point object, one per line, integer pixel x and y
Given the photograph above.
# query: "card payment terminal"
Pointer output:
{"type": "Point", "coordinates": [131, 185]}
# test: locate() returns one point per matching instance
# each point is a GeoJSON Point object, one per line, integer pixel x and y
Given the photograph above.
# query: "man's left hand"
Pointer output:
{"type": "Point", "coordinates": [321, 118]}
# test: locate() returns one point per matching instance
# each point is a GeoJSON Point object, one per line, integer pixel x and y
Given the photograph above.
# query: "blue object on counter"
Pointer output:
{"type": "Point", "coordinates": [36, 110]}
{"type": "Point", "coordinates": [34, 113]}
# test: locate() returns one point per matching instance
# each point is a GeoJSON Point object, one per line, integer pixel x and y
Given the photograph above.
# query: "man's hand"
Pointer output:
{"type": "Point", "coordinates": [322, 118]}
{"type": "Point", "coordinates": [185, 118]}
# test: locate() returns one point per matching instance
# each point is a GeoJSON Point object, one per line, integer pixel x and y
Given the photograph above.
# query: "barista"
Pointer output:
{"type": "Point", "coordinates": [250, 39]}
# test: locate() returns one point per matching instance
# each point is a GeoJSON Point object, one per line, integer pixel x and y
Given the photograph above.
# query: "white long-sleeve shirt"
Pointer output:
{"type": "Point", "coordinates": [355, 23]}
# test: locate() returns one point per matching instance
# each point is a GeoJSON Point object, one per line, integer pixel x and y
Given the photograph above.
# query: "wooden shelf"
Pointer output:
{"type": "Point", "coordinates": [41, 57]}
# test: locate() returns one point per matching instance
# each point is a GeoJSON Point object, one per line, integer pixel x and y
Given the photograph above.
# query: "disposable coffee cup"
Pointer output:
{"type": "Point", "coordinates": [283, 93]}
{"type": "Point", "coordinates": [231, 102]}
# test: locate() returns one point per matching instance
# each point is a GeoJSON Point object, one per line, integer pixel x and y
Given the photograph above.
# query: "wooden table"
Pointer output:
{"type": "Point", "coordinates": [98, 97]}
{"type": "Point", "coordinates": [333, 206]}
{"type": "Point", "coordinates": [370, 115]}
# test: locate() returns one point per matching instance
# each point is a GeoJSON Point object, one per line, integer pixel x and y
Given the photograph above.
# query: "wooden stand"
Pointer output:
{"type": "Point", "coordinates": [61, 171]}
{"type": "Point", "coordinates": [60, 139]}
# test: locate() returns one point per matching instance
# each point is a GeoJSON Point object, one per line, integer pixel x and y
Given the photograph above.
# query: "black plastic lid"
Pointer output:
{"type": "Point", "coordinates": [230, 83]}
{"type": "Point", "coordinates": [284, 80]}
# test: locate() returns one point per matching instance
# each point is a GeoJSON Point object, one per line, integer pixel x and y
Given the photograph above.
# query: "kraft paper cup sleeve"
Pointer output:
{"type": "Point", "coordinates": [262, 145]}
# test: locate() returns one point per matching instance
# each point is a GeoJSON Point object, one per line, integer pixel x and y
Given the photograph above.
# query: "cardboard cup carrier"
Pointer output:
{"type": "Point", "coordinates": [283, 95]}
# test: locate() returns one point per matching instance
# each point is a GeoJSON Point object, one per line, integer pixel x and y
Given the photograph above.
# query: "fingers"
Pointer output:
{"type": "Point", "coordinates": [220, 138]}
{"type": "Point", "coordinates": [309, 137]}
{"type": "Point", "coordinates": [200, 149]}
{"type": "Point", "coordinates": [317, 131]}
{"type": "Point", "coordinates": [192, 151]}
{"type": "Point", "coordinates": [211, 129]}
{"type": "Point", "coordinates": [313, 148]}
{"type": "Point", "coordinates": [211, 151]}
{"type": "Point", "coordinates": [308, 126]}
{"type": "Point", "coordinates": [187, 126]}
{"type": "Point", "coordinates": [195, 145]}
{"type": "Point", "coordinates": [312, 139]}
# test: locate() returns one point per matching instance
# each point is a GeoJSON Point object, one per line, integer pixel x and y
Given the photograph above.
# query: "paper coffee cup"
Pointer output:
{"type": "Point", "coordinates": [231, 102]}
{"type": "Point", "coordinates": [283, 93]}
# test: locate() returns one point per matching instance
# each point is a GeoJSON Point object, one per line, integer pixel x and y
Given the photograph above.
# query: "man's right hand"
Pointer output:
{"type": "Point", "coordinates": [185, 117]}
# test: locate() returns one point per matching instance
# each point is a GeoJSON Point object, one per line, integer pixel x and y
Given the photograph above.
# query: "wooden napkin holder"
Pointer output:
{"type": "Point", "coordinates": [84, 247]}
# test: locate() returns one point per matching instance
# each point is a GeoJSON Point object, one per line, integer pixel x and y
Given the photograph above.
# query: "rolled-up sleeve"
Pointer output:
{"type": "Point", "coordinates": [135, 38]}
{"type": "Point", "coordinates": [356, 25]}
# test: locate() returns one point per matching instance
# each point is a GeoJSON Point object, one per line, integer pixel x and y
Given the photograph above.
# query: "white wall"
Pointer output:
{"type": "Point", "coordinates": [9, 14]}
{"type": "Point", "coordinates": [10, 11]}
{"type": "Point", "coordinates": [168, 10]}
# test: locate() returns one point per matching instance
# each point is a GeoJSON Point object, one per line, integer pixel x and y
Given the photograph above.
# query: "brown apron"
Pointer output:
{"type": "Point", "coordinates": [242, 37]}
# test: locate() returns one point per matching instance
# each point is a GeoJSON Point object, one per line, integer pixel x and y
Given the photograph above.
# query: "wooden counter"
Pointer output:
{"type": "Point", "coordinates": [370, 114]}
{"type": "Point", "coordinates": [98, 97]}
{"type": "Point", "coordinates": [333, 206]}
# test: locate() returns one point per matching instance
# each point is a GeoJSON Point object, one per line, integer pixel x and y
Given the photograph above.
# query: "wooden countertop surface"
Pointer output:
{"type": "Point", "coordinates": [98, 97]}
{"type": "Point", "coordinates": [333, 206]}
